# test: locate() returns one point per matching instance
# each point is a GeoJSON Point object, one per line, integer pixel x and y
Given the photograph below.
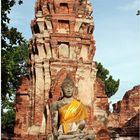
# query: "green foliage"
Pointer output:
{"type": "Point", "coordinates": [8, 121]}
{"type": "Point", "coordinates": [14, 54]}
{"type": "Point", "coordinates": [14, 65]}
{"type": "Point", "coordinates": [101, 71]}
{"type": "Point", "coordinates": [10, 36]}
{"type": "Point", "coordinates": [111, 85]}
{"type": "Point", "coordinates": [138, 13]}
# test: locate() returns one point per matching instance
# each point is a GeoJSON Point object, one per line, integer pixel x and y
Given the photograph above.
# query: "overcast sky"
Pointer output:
{"type": "Point", "coordinates": [117, 36]}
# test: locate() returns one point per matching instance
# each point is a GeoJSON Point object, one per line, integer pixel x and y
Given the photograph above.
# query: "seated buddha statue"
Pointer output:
{"type": "Point", "coordinates": [68, 115]}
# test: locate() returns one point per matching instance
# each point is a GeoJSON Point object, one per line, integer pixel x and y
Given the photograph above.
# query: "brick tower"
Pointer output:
{"type": "Point", "coordinates": [62, 44]}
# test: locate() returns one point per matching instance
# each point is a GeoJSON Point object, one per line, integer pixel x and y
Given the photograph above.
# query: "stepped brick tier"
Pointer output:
{"type": "Point", "coordinates": [125, 116]}
{"type": "Point", "coordinates": [62, 44]}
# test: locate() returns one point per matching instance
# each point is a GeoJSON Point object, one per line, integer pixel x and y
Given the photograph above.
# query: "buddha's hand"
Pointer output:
{"type": "Point", "coordinates": [81, 125]}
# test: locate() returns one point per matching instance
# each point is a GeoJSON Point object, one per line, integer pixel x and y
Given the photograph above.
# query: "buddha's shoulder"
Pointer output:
{"type": "Point", "coordinates": [56, 105]}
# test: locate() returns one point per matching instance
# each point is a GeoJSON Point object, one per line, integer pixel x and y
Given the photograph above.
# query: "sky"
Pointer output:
{"type": "Point", "coordinates": [117, 36]}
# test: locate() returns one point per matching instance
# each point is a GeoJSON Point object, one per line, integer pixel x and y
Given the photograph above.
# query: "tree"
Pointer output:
{"type": "Point", "coordinates": [7, 121]}
{"type": "Point", "coordinates": [111, 85]}
{"type": "Point", "coordinates": [14, 56]}
{"type": "Point", "coordinates": [14, 65]}
{"type": "Point", "coordinates": [138, 13]}
{"type": "Point", "coordinates": [10, 36]}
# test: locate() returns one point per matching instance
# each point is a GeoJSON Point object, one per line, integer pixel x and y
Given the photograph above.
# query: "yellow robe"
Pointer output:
{"type": "Point", "coordinates": [75, 111]}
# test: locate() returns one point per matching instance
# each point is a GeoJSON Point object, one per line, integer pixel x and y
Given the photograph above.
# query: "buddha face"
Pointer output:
{"type": "Point", "coordinates": [68, 90]}
{"type": "Point", "coordinates": [68, 87]}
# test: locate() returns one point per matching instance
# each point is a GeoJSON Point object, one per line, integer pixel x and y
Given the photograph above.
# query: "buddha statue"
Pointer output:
{"type": "Point", "coordinates": [68, 115]}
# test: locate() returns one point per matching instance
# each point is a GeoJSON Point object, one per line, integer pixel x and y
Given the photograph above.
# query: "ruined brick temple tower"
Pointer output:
{"type": "Point", "coordinates": [62, 44]}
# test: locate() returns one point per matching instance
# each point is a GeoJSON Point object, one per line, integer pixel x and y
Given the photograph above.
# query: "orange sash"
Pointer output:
{"type": "Point", "coordinates": [75, 111]}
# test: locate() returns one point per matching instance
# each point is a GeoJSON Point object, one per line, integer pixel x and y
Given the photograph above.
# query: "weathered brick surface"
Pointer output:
{"type": "Point", "coordinates": [125, 116]}
{"type": "Point", "coordinates": [22, 104]}
{"type": "Point", "coordinates": [131, 127]}
{"type": "Point", "coordinates": [101, 109]}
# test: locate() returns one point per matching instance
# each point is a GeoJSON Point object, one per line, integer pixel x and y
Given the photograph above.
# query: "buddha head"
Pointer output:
{"type": "Point", "coordinates": [67, 87]}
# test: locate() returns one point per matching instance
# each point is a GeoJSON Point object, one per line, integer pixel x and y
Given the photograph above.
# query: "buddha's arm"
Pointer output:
{"type": "Point", "coordinates": [54, 110]}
